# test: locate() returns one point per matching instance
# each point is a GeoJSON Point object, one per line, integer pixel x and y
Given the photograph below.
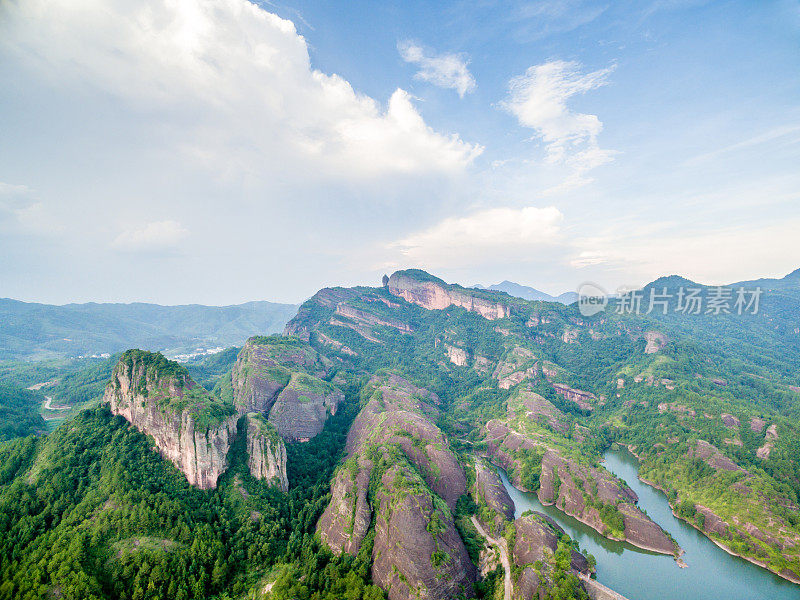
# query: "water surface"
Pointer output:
{"type": "Point", "coordinates": [712, 573]}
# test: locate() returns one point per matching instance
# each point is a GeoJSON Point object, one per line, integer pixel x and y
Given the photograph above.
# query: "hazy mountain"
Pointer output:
{"type": "Point", "coordinates": [528, 293]}
{"type": "Point", "coordinates": [32, 330]}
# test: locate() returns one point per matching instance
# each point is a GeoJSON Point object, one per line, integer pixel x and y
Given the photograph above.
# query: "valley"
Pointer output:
{"type": "Point", "coordinates": [355, 456]}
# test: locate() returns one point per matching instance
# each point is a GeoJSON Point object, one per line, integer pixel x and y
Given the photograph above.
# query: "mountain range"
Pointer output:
{"type": "Point", "coordinates": [357, 454]}
{"type": "Point", "coordinates": [36, 331]}
{"type": "Point", "coordinates": [529, 293]}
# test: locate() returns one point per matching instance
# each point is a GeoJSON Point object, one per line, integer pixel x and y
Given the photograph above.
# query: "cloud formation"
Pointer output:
{"type": "Point", "coordinates": [538, 99]}
{"type": "Point", "coordinates": [487, 235]}
{"type": "Point", "coordinates": [238, 77]}
{"type": "Point", "coordinates": [156, 236]}
{"type": "Point", "coordinates": [444, 70]}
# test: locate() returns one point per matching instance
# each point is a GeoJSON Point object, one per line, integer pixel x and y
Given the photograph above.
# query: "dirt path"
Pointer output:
{"type": "Point", "coordinates": [503, 547]}
{"type": "Point", "coordinates": [48, 406]}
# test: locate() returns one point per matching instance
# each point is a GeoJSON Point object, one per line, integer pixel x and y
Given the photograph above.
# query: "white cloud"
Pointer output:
{"type": "Point", "coordinates": [444, 70]}
{"type": "Point", "coordinates": [536, 20]}
{"type": "Point", "coordinates": [21, 211]}
{"type": "Point", "coordinates": [538, 99]}
{"type": "Point", "coordinates": [155, 236]}
{"type": "Point", "coordinates": [637, 255]}
{"type": "Point", "coordinates": [492, 235]}
{"type": "Point", "coordinates": [237, 78]}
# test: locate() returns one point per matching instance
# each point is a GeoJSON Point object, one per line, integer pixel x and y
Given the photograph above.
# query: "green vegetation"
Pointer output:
{"type": "Point", "coordinates": [41, 332]}
{"type": "Point", "coordinates": [19, 412]}
{"type": "Point", "coordinates": [92, 512]}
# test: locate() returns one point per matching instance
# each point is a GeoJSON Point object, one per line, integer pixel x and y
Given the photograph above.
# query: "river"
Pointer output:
{"type": "Point", "coordinates": [640, 575]}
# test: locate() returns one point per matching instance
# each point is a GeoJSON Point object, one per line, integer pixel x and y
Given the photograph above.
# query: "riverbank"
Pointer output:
{"type": "Point", "coordinates": [760, 563]}
{"type": "Point", "coordinates": [677, 551]}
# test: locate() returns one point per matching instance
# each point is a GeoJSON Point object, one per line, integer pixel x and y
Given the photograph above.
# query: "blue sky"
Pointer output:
{"type": "Point", "coordinates": [219, 151]}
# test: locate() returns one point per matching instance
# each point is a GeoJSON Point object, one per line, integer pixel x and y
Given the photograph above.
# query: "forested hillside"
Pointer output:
{"type": "Point", "coordinates": [39, 331]}
{"type": "Point", "coordinates": [391, 403]}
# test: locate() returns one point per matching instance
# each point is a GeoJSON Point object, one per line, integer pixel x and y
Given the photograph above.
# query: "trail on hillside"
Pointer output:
{"type": "Point", "coordinates": [502, 546]}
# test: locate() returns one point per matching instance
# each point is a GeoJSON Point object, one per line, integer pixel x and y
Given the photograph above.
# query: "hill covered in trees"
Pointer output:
{"type": "Point", "coordinates": [392, 496]}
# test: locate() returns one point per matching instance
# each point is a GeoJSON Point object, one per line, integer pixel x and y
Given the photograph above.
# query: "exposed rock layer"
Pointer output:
{"type": "Point", "coordinates": [169, 407]}
{"type": "Point", "coordinates": [266, 452]}
{"type": "Point", "coordinates": [434, 294]}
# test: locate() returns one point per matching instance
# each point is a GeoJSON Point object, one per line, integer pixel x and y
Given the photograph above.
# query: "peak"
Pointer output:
{"type": "Point", "coordinates": [417, 275]}
{"type": "Point", "coordinates": [793, 276]}
{"type": "Point", "coordinates": [671, 281]}
{"type": "Point", "coordinates": [154, 364]}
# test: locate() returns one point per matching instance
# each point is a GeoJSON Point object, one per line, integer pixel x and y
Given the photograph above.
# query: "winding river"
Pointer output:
{"type": "Point", "coordinates": [640, 575]}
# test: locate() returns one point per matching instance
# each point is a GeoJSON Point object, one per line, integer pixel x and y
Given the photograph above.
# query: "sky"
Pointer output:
{"type": "Point", "coordinates": [222, 151]}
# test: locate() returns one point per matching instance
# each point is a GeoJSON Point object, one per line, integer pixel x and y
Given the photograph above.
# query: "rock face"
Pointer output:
{"type": "Point", "coordinates": [578, 489]}
{"type": "Point", "coordinates": [303, 406]}
{"type": "Point", "coordinates": [279, 376]}
{"type": "Point", "coordinates": [713, 457]}
{"type": "Point", "coordinates": [418, 552]}
{"type": "Point", "coordinates": [347, 519]}
{"type": "Point", "coordinates": [457, 356]}
{"type": "Point", "coordinates": [537, 538]}
{"type": "Point", "coordinates": [536, 541]}
{"type": "Point", "coordinates": [518, 365]}
{"type": "Point", "coordinates": [492, 491]}
{"type": "Point", "coordinates": [190, 428]}
{"type": "Point", "coordinates": [655, 341]}
{"type": "Point", "coordinates": [432, 293]}
{"type": "Point", "coordinates": [266, 451]}
{"type": "Point", "coordinates": [584, 400]}
{"type": "Point", "coordinates": [395, 448]}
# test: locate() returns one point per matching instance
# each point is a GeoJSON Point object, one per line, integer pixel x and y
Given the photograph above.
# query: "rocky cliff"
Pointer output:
{"type": "Point", "coordinates": [280, 376]}
{"type": "Point", "coordinates": [190, 427]}
{"type": "Point", "coordinates": [266, 452]}
{"type": "Point", "coordinates": [432, 293]}
{"type": "Point", "coordinates": [303, 406]}
{"type": "Point", "coordinates": [536, 542]}
{"type": "Point", "coordinates": [491, 490]}
{"type": "Point", "coordinates": [395, 449]}
{"type": "Point", "coordinates": [538, 458]}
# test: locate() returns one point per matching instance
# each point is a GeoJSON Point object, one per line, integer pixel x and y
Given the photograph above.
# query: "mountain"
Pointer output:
{"type": "Point", "coordinates": [36, 331]}
{"type": "Point", "coordinates": [355, 455]}
{"type": "Point", "coordinates": [529, 293]}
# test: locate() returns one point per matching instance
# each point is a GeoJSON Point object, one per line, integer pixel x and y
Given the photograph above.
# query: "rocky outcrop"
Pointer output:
{"type": "Point", "coordinates": [190, 428]}
{"type": "Point", "coordinates": [712, 456]}
{"type": "Point", "coordinates": [584, 400]}
{"type": "Point", "coordinates": [264, 367]}
{"type": "Point", "coordinates": [266, 452]}
{"type": "Point", "coordinates": [537, 539]}
{"type": "Point", "coordinates": [517, 366]}
{"type": "Point", "coordinates": [491, 489]}
{"type": "Point", "coordinates": [655, 341]}
{"type": "Point", "coordinates": [303, 406]}
{"type": "Point", "coordinates": [348, 516]}
{"type": "Point", "coordinates": [369, 319]}
{"type": "Point", "coordinates": [772, 434]}
{"type": "Point", "coordinates": [418, 553]}
{"type": "Point", "coordinates": [402, 414]}
{"type": "Point", "coordinates": [457, 356]}
{"type": "Point", "coordinates": [578, 489]}
{"type": "Point", "coordinates": [396, 450]}
{"type": "Point", "coordinates": [729, 421]}
{"type": "Point", "coordinates": [538, 408]}
{"type": "Point", "coordinates": [432, 293]}
{"type": "Point", "coordinates": [279, 376]}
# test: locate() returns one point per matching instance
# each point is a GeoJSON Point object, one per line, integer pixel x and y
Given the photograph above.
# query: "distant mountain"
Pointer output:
{"type": "Point", "coordinates": [31, 330]}
{"type": "Point", "coordinates": [528, 293]}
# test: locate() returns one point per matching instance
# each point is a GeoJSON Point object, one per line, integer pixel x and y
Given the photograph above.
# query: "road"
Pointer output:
{"type": "Point", "coordinates": [503, 547]}
{"type": "Point", "coordinates": [47, 405]}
